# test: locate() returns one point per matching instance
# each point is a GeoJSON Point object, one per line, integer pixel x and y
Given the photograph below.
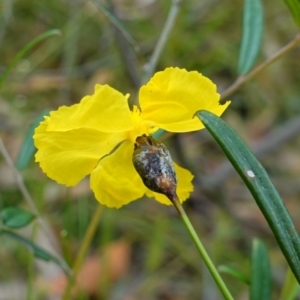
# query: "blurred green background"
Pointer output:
{"type": "Point", "coordinates": [157, 257]}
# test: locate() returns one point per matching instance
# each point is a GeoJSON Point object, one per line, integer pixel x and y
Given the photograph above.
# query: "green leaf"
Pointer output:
{"type": "Point", "coordinates": [294, 7]}
{"type": "Point", "coordinates": [36, 250]}
{"type": "Point", "coordinates": [290, 288]}
{"type": "Point", "coordinates": [15, 217]}
{"type": "Point", "coordinates": [24, 50]}
{"type": "Point", "coordinates": [159, 134]}
{"type": "Point", "coordinates": [260, 272]}
{"type": "Point", "coordinates": [27, 150]}
{"type": "Point", "coordinates": [235, 273]}
{"type": "Point", "coordinates": [261, 187]}
{"type": "Point", "coordinates": [253, 27]}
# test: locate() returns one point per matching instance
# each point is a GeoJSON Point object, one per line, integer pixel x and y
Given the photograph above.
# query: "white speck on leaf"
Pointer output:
{"type": "Point", "coordinates": [250, 173]}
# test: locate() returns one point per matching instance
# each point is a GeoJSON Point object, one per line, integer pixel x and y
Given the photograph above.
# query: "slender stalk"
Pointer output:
{"type": "Point", "coordinates": [127, 53]}
{"type": "Point", "coordinates": [31, 269]}
{"type": "Point", "coordinates": [151, 65]}
{"type": "Point", "coordinates": [243, 79]}
{"type": "Point", "coordinates": [219, 281]}
{"type": "Point", "coordinates": [117, 24]}
{"type": "Point", "coordinates": [83, 250]}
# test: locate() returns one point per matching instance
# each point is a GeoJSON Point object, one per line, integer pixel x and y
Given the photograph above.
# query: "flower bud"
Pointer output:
{"type": "Point", "coordinates": [153, 162]}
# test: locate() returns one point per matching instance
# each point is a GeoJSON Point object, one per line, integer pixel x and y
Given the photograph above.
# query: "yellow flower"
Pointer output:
{"type": "Point", "coordinates": [97, 135]}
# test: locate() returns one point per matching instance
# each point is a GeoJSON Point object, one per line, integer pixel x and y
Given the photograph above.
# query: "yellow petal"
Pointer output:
{"type": "Point", "coordinates": [184, 186]}
{"type": "Point", "coordinates": [67, 157]}
{"type": "Point", "coordinates": [115, 182]}
{"type": "Point", "coordinates": [172, 97]}
{"type": "Point", "coordinates": [106, 110]}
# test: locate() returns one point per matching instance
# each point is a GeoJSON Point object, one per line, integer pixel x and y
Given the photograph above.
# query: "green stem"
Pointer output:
{"type": "Point", "coordinates": [83, 250]}
{"type": "Point", "coordinates": [219, 281]}
{"type": "Point", "coordinates": [245, 78]}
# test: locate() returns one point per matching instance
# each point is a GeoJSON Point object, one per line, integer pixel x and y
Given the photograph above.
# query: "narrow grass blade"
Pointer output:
{"type": "Point", "coordinates": [36, 250]}
{"type": "Point", "coordinates": [291, 287]}
{"type": "Point", "coordinates": [260, 287]}
{"type": "Point", "coordinates": [234, 273]}
{"type": "Point", "coordinates": [15, 217]}
{"type": "Point", "coordinates": [27, 150]}
{"type": "Point", "coordinates": [24, 50]}
{"type": "Point", "coordinates": [156, 247]}
{"type": "Point", "coordinates": [294, 7]}
{"type": "Point", "coordinates": [260, 185]}
{"type": "Point", "coordinates": [253, 27]}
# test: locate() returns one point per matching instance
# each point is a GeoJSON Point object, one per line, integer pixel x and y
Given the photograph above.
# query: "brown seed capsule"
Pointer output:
{"type": "Point", "coordinates": [153, 162]}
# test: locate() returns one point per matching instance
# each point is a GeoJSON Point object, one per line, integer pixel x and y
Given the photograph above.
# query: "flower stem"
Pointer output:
{"type": "Point", "coordinates": [83, 250]}
{"type": "Point", "coordinates": [219, 281]}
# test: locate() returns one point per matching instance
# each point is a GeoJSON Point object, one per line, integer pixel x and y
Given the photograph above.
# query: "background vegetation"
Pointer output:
{"type": "Point", "coordinates": [144, 245]}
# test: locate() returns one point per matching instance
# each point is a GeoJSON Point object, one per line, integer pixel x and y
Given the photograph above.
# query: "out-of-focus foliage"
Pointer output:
{"type": "Point", "coordinates": [261, 281]}
{"type": "Point", "coordinates": [253, 27]}
{"type": "Point", "coordinates": [27, 150]}
{"type": "Point", "coordinates": [294, 7]}
{"type": "Point", "coordinates": [15, 217]}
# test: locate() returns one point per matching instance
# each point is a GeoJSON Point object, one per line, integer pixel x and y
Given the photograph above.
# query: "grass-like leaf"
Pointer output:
{"type": "Point", "coordinates": [260, 287]}
{"type": "Point", "coordinates": [27, 150]}
{"type": "Point", "coordinates": [291, 287]}
{"type": "Point", "coordinates": [294, 7]}
{"type": "Point", "coordinates": [24, 50]}
{"type": "Point", "coordinates": [235, 273]}
{"type": "Point", "coordinates": [36, 250]}
{"type": "Point", "coordinates": [253, 27]}
{"type": "Point", "coordinates": [260, 185]}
